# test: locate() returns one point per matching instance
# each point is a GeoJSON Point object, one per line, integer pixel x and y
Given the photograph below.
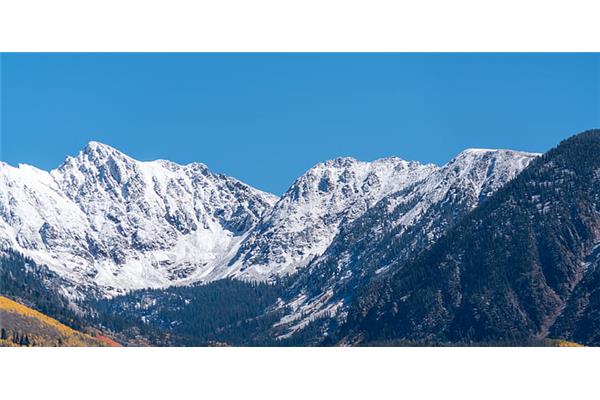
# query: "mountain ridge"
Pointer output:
{"type": "Point", "coordinates": [105, 220]}
{"type": "Point", "coordinates": [494, 247]}
{"type": "Point", "coordinates": [507, 271]}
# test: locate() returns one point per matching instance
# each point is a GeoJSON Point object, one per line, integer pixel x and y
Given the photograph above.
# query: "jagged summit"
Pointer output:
{"type": "Point", "coordinates": [94, 153]}
{"type": "Point", "coordinates": [105, 219]}
{"type": "Point", "coordinates": [347, 161]}
{"type": "Point", "coordinates": [338, 162]}
{"type": "Point", "coordinates": [306, 219]}
{"type": "Point", "coordinates": [98, 151]}
{"type": "Point", "coordinates": [94, 145]}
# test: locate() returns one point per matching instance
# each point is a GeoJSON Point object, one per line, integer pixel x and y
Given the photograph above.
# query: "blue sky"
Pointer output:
{"type": "Point", "coordinates": [266, 118]}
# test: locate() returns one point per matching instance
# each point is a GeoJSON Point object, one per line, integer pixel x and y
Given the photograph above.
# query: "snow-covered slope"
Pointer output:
{"type": "Point", "coordinates": [308, 216]}
{"type": "Point", "coordinates": [394, 230]}
{"type": "Point", "coordinates": [103, 218]}
{"type": "Point", "coordinates": [107, 222]}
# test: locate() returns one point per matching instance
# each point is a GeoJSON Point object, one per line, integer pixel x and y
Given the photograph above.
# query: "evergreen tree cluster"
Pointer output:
{"type": "Point", "coordinates": [33, 285]}
{"type": "Point", "coordinates": [227, 311]}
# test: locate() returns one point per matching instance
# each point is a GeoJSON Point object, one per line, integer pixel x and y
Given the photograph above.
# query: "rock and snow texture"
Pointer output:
{"type": "Point", "coordinates": [105, 219]}
{"type": "Point", "coordinates": [399, 226]}
{"type": "Point", "coordinates": [305, 220]}
{"type": "Point", "coordinates": [470, 177]}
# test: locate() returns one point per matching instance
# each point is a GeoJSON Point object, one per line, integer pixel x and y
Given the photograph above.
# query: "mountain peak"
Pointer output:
{"type": "Point", "coordinates": [98, 148]}
{"type": "Point", "coordinates": [307, 218]}
{"type": "Point", "coordinates": [95, 153]}
{"type": "Point", "coordinates": [339, 162]}
{"type": "Point", "coordinates": [107, 220]}
{"type": "Point", "coordinates": [94, 144]}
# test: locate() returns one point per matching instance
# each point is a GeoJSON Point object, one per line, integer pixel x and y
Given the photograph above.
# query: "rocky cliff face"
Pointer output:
{"type": "Point", "coordinates": [303, 223]}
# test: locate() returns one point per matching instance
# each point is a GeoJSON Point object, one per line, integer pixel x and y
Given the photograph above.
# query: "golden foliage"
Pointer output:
{"type": "Point", "coordinates": [562, 343]}
{"type": "Point", "coordinates": [40, 329]}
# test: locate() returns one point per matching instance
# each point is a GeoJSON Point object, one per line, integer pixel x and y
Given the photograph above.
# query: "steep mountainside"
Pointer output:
{"type": "Point", "coordinates": [396, 229]}
{"type": "Point", "coordinates": [309, 215]}
{"type": "Point", "coordinates": [104, 219]}
{"type": "Point", "coordinates": [508, 270]}
{"type": "Point", "coordinates": [106, 223]}
{"type": "Point", "coordinates": [580, 319]}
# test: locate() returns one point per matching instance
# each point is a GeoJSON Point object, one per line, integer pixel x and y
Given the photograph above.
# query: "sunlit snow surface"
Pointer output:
{"type": "Point", "coordinates": [463, 182]}
{"type": "Point", "coordinates": [105, 220]}
{"type": "Point", "coordinates": [306, 219]}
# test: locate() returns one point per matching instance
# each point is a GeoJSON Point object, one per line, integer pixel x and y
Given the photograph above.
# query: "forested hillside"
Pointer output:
{"type": "Point", "coordinates": [23, 326]}
{"type": "Point", "coordinates": [508, 270]}
{"type": "Point", "coordinates": [37, 287]}
{"type": "Point", "coordinates": [225, 312]}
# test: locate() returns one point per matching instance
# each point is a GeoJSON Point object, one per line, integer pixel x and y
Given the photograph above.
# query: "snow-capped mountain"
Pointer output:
{"type": "Point", "coordinates": [308, 216]}
{"type": "Point", "coordinates": [105, 219]}
{"type": "Point", "coordinates": [396, 229]}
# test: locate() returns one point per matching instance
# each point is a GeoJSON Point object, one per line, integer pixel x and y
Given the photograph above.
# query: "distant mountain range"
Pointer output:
{"type": "Point", "coordinates": [496, 246]}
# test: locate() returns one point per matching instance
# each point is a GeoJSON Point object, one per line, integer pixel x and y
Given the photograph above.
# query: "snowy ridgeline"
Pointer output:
{"type": "Point", "coordinates": [107, 221]}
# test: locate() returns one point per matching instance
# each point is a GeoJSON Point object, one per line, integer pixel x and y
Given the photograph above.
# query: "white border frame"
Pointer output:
{"type": "Point", "coordinates": [310, 25]}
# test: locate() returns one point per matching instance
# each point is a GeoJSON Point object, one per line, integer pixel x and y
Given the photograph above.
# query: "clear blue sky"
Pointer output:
{"type": "Point", "coordinates": [266, 118]}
